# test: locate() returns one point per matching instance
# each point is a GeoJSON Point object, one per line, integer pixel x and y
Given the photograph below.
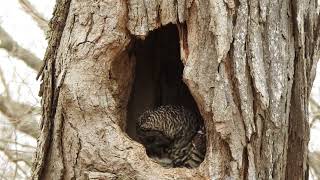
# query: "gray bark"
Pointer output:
{"type": "Point", "coordinates": [249, 65]}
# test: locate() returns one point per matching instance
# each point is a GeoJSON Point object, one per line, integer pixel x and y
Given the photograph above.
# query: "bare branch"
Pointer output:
{"type": "Point", "coordinates": [15, 156]}
{"type": "Point", "coordinates": [19, 144]}
{"type": "Point", "coordinates": [314, 103]}
{"type": "Point", "coordinates": [315, 109]}
{"type": "Point", "coordinates": [21, 116]}
{"type": "Point", "coordinates": [15, 50]}
{"type": "Point", "coordinates": [37, 17]}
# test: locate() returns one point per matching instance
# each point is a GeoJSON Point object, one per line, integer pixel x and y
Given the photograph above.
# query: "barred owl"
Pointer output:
{"type": "Point", "coordinates": [172, 136]}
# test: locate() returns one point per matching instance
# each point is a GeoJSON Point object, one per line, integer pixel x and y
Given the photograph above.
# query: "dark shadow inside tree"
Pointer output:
{"type": "Point", "coordinates": [158, 76]}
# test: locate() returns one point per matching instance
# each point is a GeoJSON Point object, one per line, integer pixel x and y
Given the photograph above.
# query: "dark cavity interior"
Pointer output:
{"type": "Point", "coordinates": [158, 75]}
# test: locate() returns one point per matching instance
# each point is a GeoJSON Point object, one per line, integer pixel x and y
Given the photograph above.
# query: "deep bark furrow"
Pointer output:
{"type": "Point", "coordinates": [48, 76]}
{"type": "Point", "coordinates": [298, 121]}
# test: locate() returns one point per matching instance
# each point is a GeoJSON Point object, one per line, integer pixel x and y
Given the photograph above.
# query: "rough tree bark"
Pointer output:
{"type": "Point", "coordinates": [249, 65]}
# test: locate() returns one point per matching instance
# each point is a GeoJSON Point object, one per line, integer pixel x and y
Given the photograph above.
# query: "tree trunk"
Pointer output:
{"type": "Point", "coordinates": [249, 65]}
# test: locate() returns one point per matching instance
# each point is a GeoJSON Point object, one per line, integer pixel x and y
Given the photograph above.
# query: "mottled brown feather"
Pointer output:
{"type": "Point", "coordinates": [174, 133]}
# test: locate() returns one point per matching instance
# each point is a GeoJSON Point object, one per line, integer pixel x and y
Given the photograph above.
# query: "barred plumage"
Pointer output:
{"type": "Point", "coordinates": [173, 136]}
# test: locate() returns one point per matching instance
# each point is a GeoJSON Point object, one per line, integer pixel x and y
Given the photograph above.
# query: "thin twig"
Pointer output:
{"type": "Point", "coordinates": [5, 84]}
{"type": "Point", "coordinates": [16, 153]}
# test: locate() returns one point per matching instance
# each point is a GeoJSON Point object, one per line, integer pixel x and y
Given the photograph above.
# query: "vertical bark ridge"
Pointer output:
{"type": "Point", "coordinates": [304, 28]}
{"type": "Point", "coordinates": [49, 89]}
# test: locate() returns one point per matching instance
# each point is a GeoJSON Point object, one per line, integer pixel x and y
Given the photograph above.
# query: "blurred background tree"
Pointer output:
{"type": "Point", "coordinates": [23, 28]}
{"type": "Point", "coordinates": [23, 25]}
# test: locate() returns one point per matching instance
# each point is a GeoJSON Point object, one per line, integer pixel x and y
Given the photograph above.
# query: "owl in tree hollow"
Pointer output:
{"type": "Point", "coordinates": [172, 136]}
